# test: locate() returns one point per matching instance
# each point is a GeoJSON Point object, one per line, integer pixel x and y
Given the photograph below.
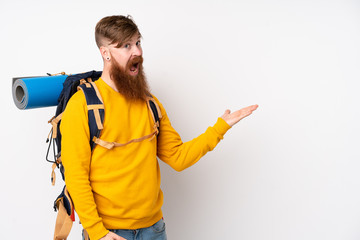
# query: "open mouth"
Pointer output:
{"type": "Point", "coordinates": [134, 69]}
{"type": "Point", "coordinates": [134, 65]}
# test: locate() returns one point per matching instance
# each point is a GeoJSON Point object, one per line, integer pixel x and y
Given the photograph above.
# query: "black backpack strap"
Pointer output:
{"type": "Point", "coordinates": [96, 109]}
{"type": "Point", "coordinates": [155, 112]}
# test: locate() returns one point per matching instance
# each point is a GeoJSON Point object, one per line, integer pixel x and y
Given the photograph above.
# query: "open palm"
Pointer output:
{"type": "Point", "coordinates": [235, 117]}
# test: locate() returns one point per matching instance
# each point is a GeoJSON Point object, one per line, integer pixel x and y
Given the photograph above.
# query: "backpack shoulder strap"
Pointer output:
{"type": "Point", "coordinates": [155, 112]}
{"type": "Point", "coordinates": [96, 110]}
{"type": "Point", "coordinates": [156, 116]}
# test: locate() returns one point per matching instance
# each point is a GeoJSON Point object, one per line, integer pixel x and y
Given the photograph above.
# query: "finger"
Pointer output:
{"type": "Point", "coordinates": [248, 110]}
{"type": "Point", "coordinates": [226, 114]}
{"type": "Point", "coordinates": [114, 236]}
{"type": "Point", "coordinates": [245, 114]}
{"type": "Point", "coordinates": [254, 107]}
{"type": "Point", "coordinates": [251, 108]}
{"type": "Point", "coordinates": [242, 113]}
{"type": "Point", "coordinates": [117, 237]}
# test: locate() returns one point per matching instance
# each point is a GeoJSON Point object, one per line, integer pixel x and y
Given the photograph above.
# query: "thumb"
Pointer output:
{"type": "Point", "coordinates": [115, 236]}
{"type": "Point", "coordinates": [119, 238]}
{"type": "Point", "coordinates": [227, 111]}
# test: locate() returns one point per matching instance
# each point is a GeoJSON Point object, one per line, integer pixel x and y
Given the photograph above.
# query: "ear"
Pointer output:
{"type": "Point", "coordinates": [105, 53]}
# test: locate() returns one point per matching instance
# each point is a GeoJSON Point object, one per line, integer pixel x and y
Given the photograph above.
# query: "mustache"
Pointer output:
{"type": "Point", "coordinates": [137, 60]}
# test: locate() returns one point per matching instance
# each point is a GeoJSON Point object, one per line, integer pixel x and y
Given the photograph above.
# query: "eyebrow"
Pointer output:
{"type": "Point", "coordinates": [133, 37]}
{"type": "Point", "coordinates": [127, 41]}
{"type": "Point", "coordinates": [137, 39]}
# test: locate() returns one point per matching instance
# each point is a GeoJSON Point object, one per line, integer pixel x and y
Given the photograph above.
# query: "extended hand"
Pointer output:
{"type": "Point", "coordinates": [112, 236]}
{"type": "Point", "coordinates": [235, 117]}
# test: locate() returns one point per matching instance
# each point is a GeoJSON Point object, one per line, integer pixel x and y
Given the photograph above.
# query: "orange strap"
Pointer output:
{"type": "Point", "coordinates": [95, 108]}
{"type": "Point", "coordinates": [56, 74]}
{"type": "Point", "coordinates": [111, 145]}
{"type": "Point", "coordinates": [54, 122]}
{"type": "Point", "coordinates": [53, 176]}
{"type": "Point", "coordinates": [63, 223]}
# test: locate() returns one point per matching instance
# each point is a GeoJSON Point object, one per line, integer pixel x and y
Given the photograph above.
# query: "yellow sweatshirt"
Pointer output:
{"type": "Point", "coordinates": [120, 188]}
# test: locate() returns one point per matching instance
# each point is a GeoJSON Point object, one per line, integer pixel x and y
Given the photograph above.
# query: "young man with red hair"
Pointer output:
{"type": "Point", "coordinates": [116, 192]}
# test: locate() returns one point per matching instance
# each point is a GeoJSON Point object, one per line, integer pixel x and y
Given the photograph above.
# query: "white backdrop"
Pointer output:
{"type": "Point", "coordinates": [288, 172]}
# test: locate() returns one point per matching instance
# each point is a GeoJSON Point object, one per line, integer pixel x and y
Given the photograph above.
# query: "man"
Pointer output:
{"type": "Point", "coordinates": [116, 192]}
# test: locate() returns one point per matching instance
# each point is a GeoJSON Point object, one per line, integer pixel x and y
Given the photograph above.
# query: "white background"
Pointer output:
{"type": "Point", "coordinates": [291, 171]}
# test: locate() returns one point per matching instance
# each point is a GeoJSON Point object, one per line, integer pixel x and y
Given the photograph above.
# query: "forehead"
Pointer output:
{"type": "Point", "coordinates": [135, 37]}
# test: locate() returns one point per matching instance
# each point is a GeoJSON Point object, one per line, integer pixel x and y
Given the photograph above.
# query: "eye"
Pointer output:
{"type": "Point", "coordinates": [138, 43]}
{"type": "Point", "coordinates": [127, 45]}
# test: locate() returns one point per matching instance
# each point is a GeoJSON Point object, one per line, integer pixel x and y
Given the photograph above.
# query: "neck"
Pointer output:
{"type": "Point", "coordinates": [107, 79]}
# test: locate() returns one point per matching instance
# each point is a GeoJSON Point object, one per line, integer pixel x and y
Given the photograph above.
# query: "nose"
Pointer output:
{"type": "Point", "coordinates": [137, 51]}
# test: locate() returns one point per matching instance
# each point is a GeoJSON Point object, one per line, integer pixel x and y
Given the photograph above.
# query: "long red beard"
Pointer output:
{"type": "Point", "coordinates": [133, 88]}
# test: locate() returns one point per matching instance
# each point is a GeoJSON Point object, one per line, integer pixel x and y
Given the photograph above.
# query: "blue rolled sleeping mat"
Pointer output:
{"type": "Point", "coordinates": [37, 92]}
